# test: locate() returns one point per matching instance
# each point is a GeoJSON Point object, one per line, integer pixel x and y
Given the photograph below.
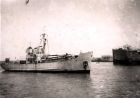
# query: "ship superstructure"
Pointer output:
{"type": "Point", "coordinates": [37, 54]}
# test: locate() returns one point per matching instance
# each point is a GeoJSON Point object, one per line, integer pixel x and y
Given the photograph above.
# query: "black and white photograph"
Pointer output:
{"type": "Point", "coordinates": [69, 48]}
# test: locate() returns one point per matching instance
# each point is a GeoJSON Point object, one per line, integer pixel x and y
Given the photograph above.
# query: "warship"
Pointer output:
{"type": "Point", "coordinates": [38, 61]}
{"type": "Point", "coordinates": [126, 55]}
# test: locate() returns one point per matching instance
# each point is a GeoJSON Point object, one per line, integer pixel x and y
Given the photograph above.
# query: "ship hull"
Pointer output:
{"type": "Point", "coordinates": [70, 65]}
{"type": "Point", "coordinates": [121, 56]}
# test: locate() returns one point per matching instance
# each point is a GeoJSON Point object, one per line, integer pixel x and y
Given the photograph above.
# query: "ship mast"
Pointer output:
{"type": "Point", "coordinates": [43, 42]}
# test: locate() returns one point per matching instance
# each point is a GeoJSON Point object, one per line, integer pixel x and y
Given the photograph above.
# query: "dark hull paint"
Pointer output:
{"type": "Point", "coordinates": [47, 71]}
{"type": "Point", "coordinates": [126, 62]}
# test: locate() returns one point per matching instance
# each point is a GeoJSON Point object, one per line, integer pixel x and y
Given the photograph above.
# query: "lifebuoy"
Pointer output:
{"type": "Point", "coordinates": [85, 64]}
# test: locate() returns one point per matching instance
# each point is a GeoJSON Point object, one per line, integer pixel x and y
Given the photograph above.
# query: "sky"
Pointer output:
{"type": "Point", "coordinates": [71, 25]}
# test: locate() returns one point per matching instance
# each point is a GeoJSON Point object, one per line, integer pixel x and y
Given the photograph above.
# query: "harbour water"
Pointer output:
{"type": "Point", "coordinates": [104, 81]}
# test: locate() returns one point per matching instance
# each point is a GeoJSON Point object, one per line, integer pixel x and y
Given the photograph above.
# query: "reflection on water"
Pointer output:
{"type": "Point", "coordinates": [109, 81]}
{"type": "Point", "coordinates": [104, 81]}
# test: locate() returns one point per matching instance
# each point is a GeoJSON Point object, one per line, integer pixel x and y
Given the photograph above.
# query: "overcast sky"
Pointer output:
{"type": "Point", "coordinates": [72, 25]}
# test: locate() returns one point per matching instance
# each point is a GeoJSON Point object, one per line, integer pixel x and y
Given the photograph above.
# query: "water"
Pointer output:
{"type": "Point", "coordinates": [104, 81]}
